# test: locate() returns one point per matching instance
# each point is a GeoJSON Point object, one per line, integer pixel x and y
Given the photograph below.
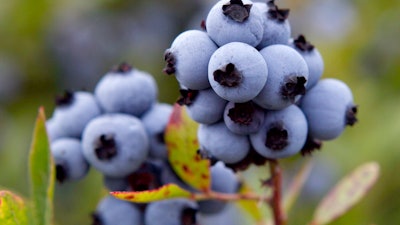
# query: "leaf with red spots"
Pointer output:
{"type": "Point", "coordinates": [164, 192]}
{"type": "Point", "coordinates": [182, 144]}
{"type": "Point", "coordinates": [13, 209]}
{"type": "Point", "coordinates": [346, 193]}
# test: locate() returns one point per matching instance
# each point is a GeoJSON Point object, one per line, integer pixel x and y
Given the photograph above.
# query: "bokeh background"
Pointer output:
{"type": "Point", "coordinates": [48, 46]}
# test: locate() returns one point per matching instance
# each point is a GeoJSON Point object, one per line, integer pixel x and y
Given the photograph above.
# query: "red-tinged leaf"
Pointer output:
{"type": "Point", "coordinates": [13, 210]}
{"type": "Point", "coordinates": [255, 210]}
{"type": "Point", "coordinates": [41, 174]}
{"type": "Point", "coordinates": [165, 192]}
{"type": "Point", "coordinates": [346, 193]}
{"type": "Point", "coordinates": [296, 185]}
{"type": "Point", "coordinates": [182, 144]}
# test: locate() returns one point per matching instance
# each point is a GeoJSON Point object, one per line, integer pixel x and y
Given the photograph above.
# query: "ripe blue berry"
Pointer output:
{"type": "Point", "coordinates": [126, 90]}
{"type": "Point", "coordinates": [115, 144]}
{"type": "Point", "coordinates": [69, 160]}
{"type": "Point", "coordinates": [155, 121]}
{"type": "Point", "coordinates": [276, 25]}
{"type": "Point", "coordinates": [243, 118]}
{"type": "Point", "coordinates": [217, 140]}
{"type": "Point", "coordinates": [283, 133]}
{"type": "Point", "coordinates": [116, 183]}
{"type": "Point", "coordinates": [223, 180]}
{"type": "Point", "coordinates": [111, 211]}
{"type": "Point", "coordinates": [176, 211]}
{"type": "Point", "coordinates": [287, 77]}
{"type": "Point", "coordinates": [234, 21]}
{"type": "Point", "coordinates": [73, 111]}
{"type": "Point", "coordinates": [312, 57]}
{"type": "Point", "coordinates": [237, 72]}
{"type": "Point", "coordinates": [203, 106]}
{"type": "Point", "coordinates": [188, 58]}
{"type": "Point", "coordinates": [328, 107]}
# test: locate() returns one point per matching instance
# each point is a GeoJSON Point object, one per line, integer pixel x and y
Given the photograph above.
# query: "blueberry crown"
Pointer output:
{"type": "Point", "coordinates": [122, 68]}
{"type": "Point", "coordinates": [277, 14]}
{"type": "Point", "coordinates": [301, 43]}
{"type": "Point", "coordinates": [236, 10]}
{"type": "Point", "coordinates": [64, 99]}
{"type": "Point", "coordinates": [187, 96]}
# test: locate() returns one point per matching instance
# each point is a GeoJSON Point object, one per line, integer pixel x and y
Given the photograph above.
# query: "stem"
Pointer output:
{"type": "Point", "coordinates": [276, 201]}
{"type": "Point", "coordinates": [230, 197]}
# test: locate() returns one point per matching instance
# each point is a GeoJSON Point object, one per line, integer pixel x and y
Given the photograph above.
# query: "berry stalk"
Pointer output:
{"type": "Point", "coordinates": [276, 200]}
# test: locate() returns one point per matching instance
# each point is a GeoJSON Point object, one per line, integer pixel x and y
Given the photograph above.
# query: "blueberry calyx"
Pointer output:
{"type": "Point", "coordinates": [106, 147]}
{"type": "Point", "coordinates": [203, 25]}
{"type": "Point", "coordinates": [310, 146]}
{"type": "Point", "coordinates": [293, 86]}
{"type": "Point", "coordinates": [242, 113]}
{"type": "Point", "coordinates": [205, 154]}
{"type": "Point", "coordinates": [122, 68]}
{"type": "Point", "coordinates": [96, 220]}
{"type": "Point", "coordinates": [301, 43]}
{"type": "Point", "coordinates": [277, 14]}
{"type": "Point", "coordinates": [61, 172]}
{"type": "Point", "coordinates": [277, 137]}
{"type": "Point", "coordinates": [188, 216]}
{"type": "Point", "coordinates": [351, 113]}
{"type": "Point", "coordinates": [187, 97]}
{"type": "Point", "coordinates": [160, 137]}
{"type": "Point", "coordinates": [169, 58]}
{"type": "Point", "coordinates": [236, 10]}
{"type": "Point", "coordinates": [228, 76]}
{"type": "Point", "coordinates": [65, 99]}
{"type": "Point", "coordinates": [252, 157]}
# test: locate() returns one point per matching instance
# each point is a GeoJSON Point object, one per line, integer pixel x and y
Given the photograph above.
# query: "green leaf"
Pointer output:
{"type": "Point", "coordinates": [296, 186]}
{"type": "Point", "coordinates": [346, 193]}
{"type": "Point", "coordinates": [182, 144]}
{"type": "Point", "coordinates": [12, 209]}
{"type": "Point", "coordinates": [252, 208]}
{"type": "Point", "coordinates": [164, 192]}
{"type": "Point", "coordinates": [41, 172]}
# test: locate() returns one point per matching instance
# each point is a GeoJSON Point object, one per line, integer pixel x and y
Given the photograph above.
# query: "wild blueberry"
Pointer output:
{"type": "Point", "coordinates": [73, 111]}
{"type": "Point", "coordinates": [177, 211]}
{"type": "Point", "coordinates": [68, 159]}
{"type": "Point", "coordinates": [155, 121]}
{"type": "Point", "coordinates": [276, 25]}
{"type": "Point", "coordinates": [243, 118]}
{"type": "Point", "coordinates": [111, 211]}
{"type": "Point", "coordinates": [328, 107]}
{"type": "Point", "coordinates": [126, 90]}
{"type": "Point", "coordinates": [235, 21]}
{"type": "Point", "coordinates": [287, 77]}
{"type": "Point", "coordinates": [223, 180]}
{"type": "Point", "coordinates": [237, 72]}
{"type": "Point", "coordinates": [283, 133]}
{"type": "Point", "coordinates": [221, 143]}
{"type": "Point", "coordinates": [203, 106]}
{"type": "Point", "coordinates": [312, 57]}
{"type": "Point", "coordinates": [115, 144]}
{"type": "Point", "coordinates": [188, 58]}
{"type": "Point", "coordinates": [116, 183]}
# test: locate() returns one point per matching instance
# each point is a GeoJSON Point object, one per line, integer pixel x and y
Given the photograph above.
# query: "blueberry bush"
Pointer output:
{"type": "Point", "coordinates": [251, 97]}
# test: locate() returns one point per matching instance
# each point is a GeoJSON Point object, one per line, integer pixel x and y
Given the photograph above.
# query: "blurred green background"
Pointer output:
{"type": "Point", "coordinates": [49, 46]}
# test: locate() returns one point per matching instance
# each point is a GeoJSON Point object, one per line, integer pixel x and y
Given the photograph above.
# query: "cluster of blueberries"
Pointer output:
{"type": "Point", "coordinates": [255, 91]}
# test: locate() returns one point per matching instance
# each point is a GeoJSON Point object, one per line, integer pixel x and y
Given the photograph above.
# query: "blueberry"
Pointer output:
{"type": "Point", "coordinates": [155, 121]}
{"type": "Point", "coordinates": [116, 183]}
{"type": "Point", "coordinates": [203, 106]}
{"type": "Point", "coordinates": [126, 90]}
{"type": "Point", "coordinates": [111, 211]}
{"type": "Point", "coordinates": [276, 25]}
{"type": "Point", "coordinates": [312, 57]}
{"type": "Point", "coordinates": [115, 144]}
{"type": "Point", "coordinates": [69, 160]}
{"type": "Point", "coordinates": [328, 107]}
{"type": "Point", "coordinates": [217, 140]}
{"type": "Point", "coordinates": [73, 111]}
{"type": "Point", "coordinates": [283, 133]}
{"type": "Point", "coordinates": [176, 211]}
{"type": "Point", "coordinates": [235, 21]}
{"type": "Point", "coordinates": [188, 58]}
{"type": "Point", "coordinates": [223, 180]}
{"type": "Point", "coordinates": [287, 77]}
{"type": "Point", "coordinates": [237, 72]}
{"type": "Point", "coordinates": [243, 118]}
